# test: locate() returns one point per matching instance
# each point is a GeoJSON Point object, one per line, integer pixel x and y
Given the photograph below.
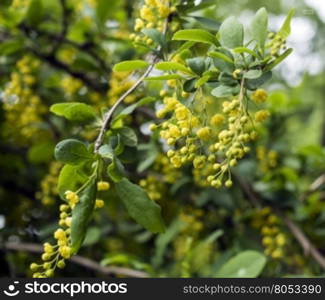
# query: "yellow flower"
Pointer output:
{"type": "Point", "coordinates": [103, 185]}
{"type": "Point", "coordinates": [261, 115]}
{"type": "Point", "coordinates": [204, 133]}
{"type": "Point", "coordinates": [259, 96]}
{"type": "Point", "coordinates": [99, 203]}
{"type": "Point", "coordinates": [217, 119]}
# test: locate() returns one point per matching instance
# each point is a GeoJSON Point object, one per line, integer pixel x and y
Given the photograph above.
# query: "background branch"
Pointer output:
{"type": "Point", "coordinates": [300, 236]}
{"type": "Point", "coordinates": [80, 260]}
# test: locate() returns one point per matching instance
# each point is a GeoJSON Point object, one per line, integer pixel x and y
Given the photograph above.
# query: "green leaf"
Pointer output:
{"type": "Point", "coordinates": [172, 66]}
{"type": "Point", "coordinates": [130, 109]}
{"type": "Point", "coordinates": [116, 170]}
{"type": "Point", "coordinates": [11, 47]}
{"type": "Point", "coordinates": [223, 91]}
{"type": "Point", "coordinates": [185, 46]}
{"type": "Point", "coordinates": [220, 61]}
{"type": "Point", "coordinates": [191, 7]}
{"type": "Point", "coordinates": [130, 65]}
{"type": "Point", "coordinates": [40, 153]}
{"type": "Point", "coordinates": [35, 12]}
{"type": "Point", "coordinates": [72, 152]}
{"type": "Point", "coordinates": [128, 136]}
{"type": "Point", "coordinates": [103, 8]}
{"type": "Point", "coordinates": [70, 179]}
{"type": "Point", "coordinates": [247, 264]}
{"type": "Point", "coordinates": [278, 60]}
{"type": "Point", "coordinates": [253, 74]}
{"type": "Point", "coordinates": [259, 27]}
{"type": "Point", "coordinates": [164, 239]}
{"type": "Point", "coordinates": [201, 81]}
{"type": "Point", "coordinates": [285, 29]}
{"type": "Point", "coordinates": [207, 23]}
{"type": "Point", "coordinates": [92, 236]}
{"type": "Point", "coordinates": [231, 33]}
{"type": "Point", "coordinates": [81, 214]}
{"type": "Point", "coordinates": [245, 50]}
{"type": "Point", "coordinates": [106, 151]}
{"type": "Point", "coordinates": [74, 111]}
{"type": "Point", "coordinates": [197, 65]}
{"type": "Point", "coordinates": [165, 77]}
{"type": "Point", "coordinates": [139, 206]}
{"type": "Point", "coordinates": [253, 84]}
{"type": "Point", "coordinates": [221, 56]}
{"type": "Point", "coordinates": [155, 35]}
{"type": "Point", "coordinates": [195, 35]}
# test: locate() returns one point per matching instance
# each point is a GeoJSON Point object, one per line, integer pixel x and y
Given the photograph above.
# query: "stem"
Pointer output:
{"type": "Point", "coordinates": [109, 114]}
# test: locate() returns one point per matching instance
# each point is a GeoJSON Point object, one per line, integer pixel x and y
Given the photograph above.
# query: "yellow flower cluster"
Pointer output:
{"type": "Point", "coordinates": [277, 43]}
{"type": "Point", "coordinates": [153, 186]}
{"type": "Point", "coordinates": [118, 84]}
{"type": "Point", "coordinates": [101, 186]}
{"type": "Point", "coordinates": [273, 239]}
{"type": "Point", "coordinates": [267, 159]}
{"type": "Point", "coordinates": [152, 15]}
{"type": "Point", "coordinates": [49, 183]}
{"type": "Point", "coordinates": [213, 144]}
{"type": "Point", "coordinates": [71, 85]}
{"type": "Point", "coordinates": [259, 96]}
{"type": "Point", "coordinates": [191, 219]}
{"type": "Point", "coordinates": [166, 170]}
{"type": "Point", "coordinates": [54, 255]}
{"type": "Point", "coordinates": [24, 109]}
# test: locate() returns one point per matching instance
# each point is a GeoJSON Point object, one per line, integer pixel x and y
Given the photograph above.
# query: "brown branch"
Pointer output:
{"type": "Point", "coordinates": [309, 248]}
{"type": "Point", "coordinates": [82, 261]}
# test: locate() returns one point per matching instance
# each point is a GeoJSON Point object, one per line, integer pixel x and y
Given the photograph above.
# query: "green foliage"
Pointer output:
{"type": "Point", "coordinates": [231, 33]}
{"type": "Point", "coordinates": [130, 65]}
{"type": "Point", "coordinates": [259, 27]}
{"type": "Point", "coordinates": [74, 111]}
{"type": "Point", "coordinates": [70, 179]}
{"type": "Point", "coordinates": [167, 222]}
{"type": "Point", "coordinates": [140, 207]}
{"type": "Point", "coordinates": [81, 214]}
{"type": "Point", "coordinates": [195, 35]}
{"type": "Point", "coordinates": [247, 264]}
{"type": "Point", "coordinates": [72, 151]}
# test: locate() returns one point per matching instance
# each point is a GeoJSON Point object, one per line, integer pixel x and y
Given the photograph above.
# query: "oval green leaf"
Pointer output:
{"type": "Point", "coordinates": [247, 264]}
{"type": "Point", "coordinates": [231, 33]}
{"type": "Point", "coordinates": [72, 152]}
{"type": "Point", "coordinates": [81, 214]}
{"type": "Point", "coordinates": [195, 35]}
{"type": "Point", "coordinates": [74, 111]}
{"type": "Point", "coordinates": [139, 206]}
{"type": "Point", "coordinates": [130, 65]}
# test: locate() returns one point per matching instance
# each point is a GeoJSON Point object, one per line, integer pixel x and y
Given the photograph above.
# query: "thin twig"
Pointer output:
{"type": "Point", "coordinates": [309, 248]}
{"type": "Point", "coordinates": [108, 116]}
{"type": "Point", "coordinates": [82, 261]}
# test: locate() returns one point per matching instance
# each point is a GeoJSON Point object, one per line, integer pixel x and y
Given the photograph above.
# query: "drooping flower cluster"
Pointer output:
{"type": "Point", "coordinates": [273, 240]}
{"type": "Point", "coordinates": [277, 43]}
{"type": "Point", "coordinates": [266, 159]}
{"type": "Point", "coordinates": [49, 183]}
{"type": "Point", "coordinates": [212, 143]}
{"type": "Point", "coordinates": [24, 109]}
{"type": "Point", "coordinates": [54, 255]}
{"type": "Point", "coordinates": [152, 15]}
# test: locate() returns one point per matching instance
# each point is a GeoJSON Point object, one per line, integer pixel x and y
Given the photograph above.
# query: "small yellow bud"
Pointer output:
{"type": "Point", "coordinates": [99, 203]}
{"type": "Point", "coordinates": [103, 185]}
